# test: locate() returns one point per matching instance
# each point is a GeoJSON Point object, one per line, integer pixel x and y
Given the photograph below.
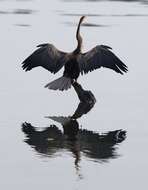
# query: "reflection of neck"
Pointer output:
{"type": "Point", "coordinates": [79, 38]}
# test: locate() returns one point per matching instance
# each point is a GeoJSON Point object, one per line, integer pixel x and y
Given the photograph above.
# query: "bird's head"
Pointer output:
{"type": "Point", "coordinates": [82, 19]}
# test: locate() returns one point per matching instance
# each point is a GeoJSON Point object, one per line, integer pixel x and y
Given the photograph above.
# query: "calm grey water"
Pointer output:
{"type": "Point", "coordinates": [111, 149]}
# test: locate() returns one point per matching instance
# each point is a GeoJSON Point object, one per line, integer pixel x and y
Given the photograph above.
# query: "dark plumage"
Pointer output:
{"type": "Point", "coordinates": [52, 59]}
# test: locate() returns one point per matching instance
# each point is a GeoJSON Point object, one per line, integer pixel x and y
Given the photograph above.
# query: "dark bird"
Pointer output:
{"type": "Point", "coordinates": [76, 62]}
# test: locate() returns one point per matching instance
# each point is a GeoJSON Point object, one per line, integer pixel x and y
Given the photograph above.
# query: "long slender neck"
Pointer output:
{"type": "Point", "coordinates": [78, 37]}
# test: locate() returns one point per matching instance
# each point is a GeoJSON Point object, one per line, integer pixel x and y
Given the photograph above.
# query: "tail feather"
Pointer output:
{"type": "Point", "coordinates": [62, 83]}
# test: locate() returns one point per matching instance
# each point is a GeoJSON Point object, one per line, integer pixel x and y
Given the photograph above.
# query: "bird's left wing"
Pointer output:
{"type": "Point", "coordinates": [46, 56]}
{"type": "Point", "coordinates": [100, 56]}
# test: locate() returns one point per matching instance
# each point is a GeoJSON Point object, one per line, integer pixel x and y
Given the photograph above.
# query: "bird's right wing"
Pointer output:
{"type": "Point", "coordinates": [46, 56]}
{"type": "Point", "coordinates": [100, 56]}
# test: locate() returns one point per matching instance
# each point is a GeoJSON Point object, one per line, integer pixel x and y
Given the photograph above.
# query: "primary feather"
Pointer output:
{"type": "Point", "coordinates": [100, 56]}
{"type": "Point", "coordinates": [47, 56]}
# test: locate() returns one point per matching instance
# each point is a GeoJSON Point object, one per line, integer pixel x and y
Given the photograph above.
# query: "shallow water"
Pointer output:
{"type": "Point", "coordinates": [110, 151]}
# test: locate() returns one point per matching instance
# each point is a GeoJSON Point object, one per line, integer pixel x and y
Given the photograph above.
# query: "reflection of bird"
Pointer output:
{"type": "Point", "coordinates": [80, 142]}
{"type": "Point", "coordinates": [49, 57]}
{"type": "Point", "coordinates": [99, 147]}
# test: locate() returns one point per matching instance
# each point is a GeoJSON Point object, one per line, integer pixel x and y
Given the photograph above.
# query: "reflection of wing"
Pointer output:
{"type": "Point", "coordinates": [47, 142]}
{"type": "Point", "coordinates": [47, 56]}
{"type": "Point", "coordinates": [97, 146]}
{"type": "Point", "coordinates": [100, 56]}
{"type": "Point", "coordinates": [101, 146]}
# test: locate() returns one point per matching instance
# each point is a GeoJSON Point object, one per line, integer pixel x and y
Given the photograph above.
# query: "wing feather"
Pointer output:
{"type": "Point", "coordinates": [47, 56]}
{"type": "Point", "coordinates": [100, 56]}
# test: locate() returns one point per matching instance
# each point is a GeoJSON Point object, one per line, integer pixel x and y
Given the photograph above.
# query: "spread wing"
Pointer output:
{"type": "Point", "coordinates": [100, 56]}
{"type": "Point", "coordinates": [47, 56]}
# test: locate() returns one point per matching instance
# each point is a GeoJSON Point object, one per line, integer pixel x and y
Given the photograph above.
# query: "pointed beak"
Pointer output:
{"type": "Point", "coordinates": [82, 19]}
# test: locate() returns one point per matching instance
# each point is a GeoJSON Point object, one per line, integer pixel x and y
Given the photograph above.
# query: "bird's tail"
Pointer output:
{"type": "Point", "coordinates": [62, 83]}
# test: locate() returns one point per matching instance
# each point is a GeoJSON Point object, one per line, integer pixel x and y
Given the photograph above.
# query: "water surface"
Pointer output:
{"type": "Point", "coordinates": [111, 149]}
